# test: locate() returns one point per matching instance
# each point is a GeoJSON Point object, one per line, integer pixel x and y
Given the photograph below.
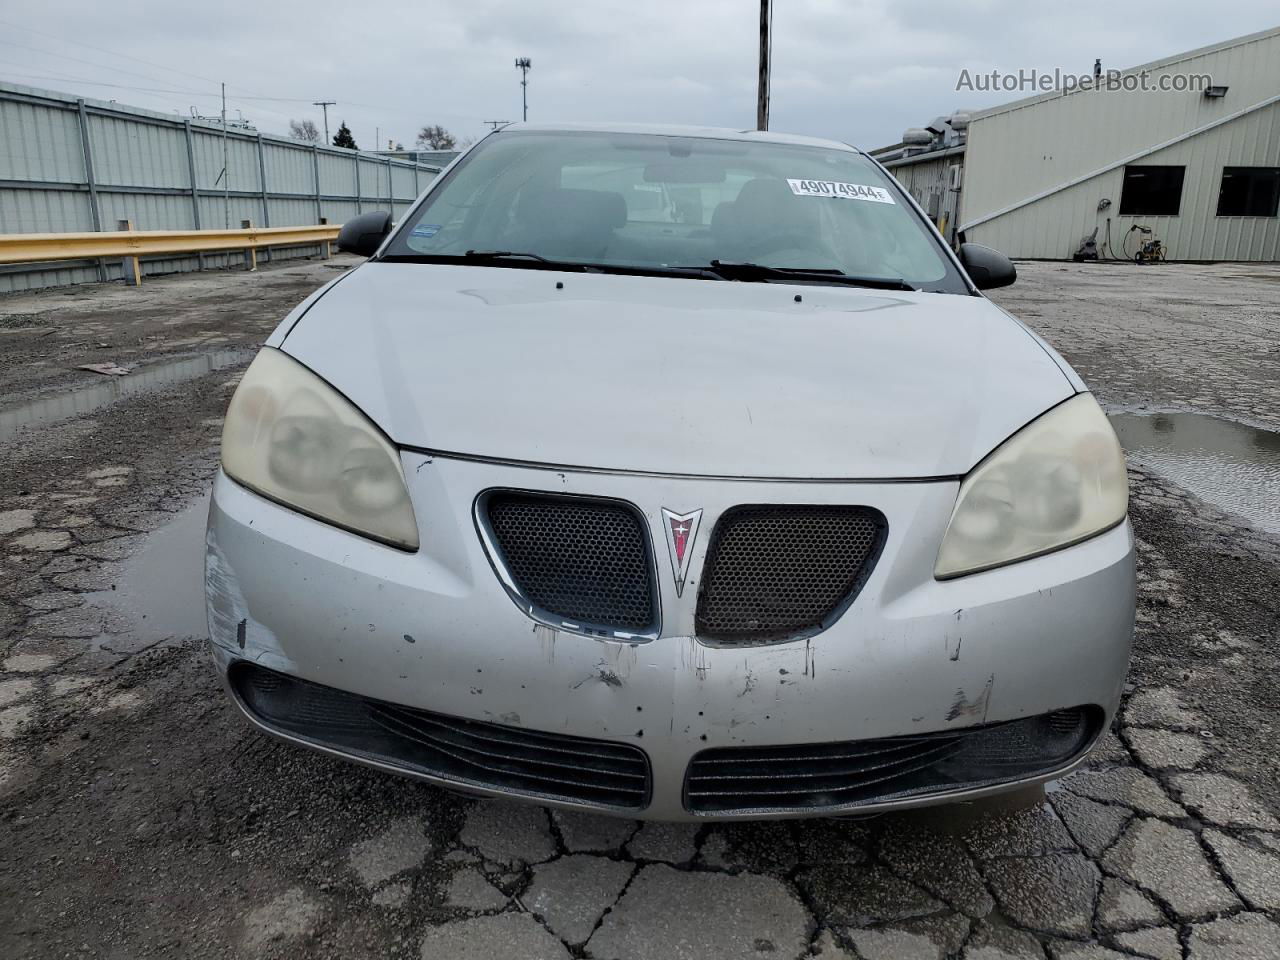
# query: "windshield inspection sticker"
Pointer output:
{"type": "Point", "coordinates": [843, 191]}
{"type": "Point", "coordinates": [425, 230]}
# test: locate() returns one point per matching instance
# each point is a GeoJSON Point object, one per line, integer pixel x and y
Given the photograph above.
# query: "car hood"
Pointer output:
{"type": "Point", "coordinates": [681, 376]}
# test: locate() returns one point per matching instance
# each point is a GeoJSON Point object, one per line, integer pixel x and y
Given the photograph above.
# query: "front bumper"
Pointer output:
{"type": "Point", "coordinates": [437, 631]}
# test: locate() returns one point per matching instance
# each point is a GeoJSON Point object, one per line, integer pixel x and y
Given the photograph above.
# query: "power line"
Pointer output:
{"type": "Point", "coordinates": [99, 83]}
{"type": "Point", "coordinates": [89, 46]}
{"type": "Point", "coordinates": [91, 63]}
{"type": "Point", "coordinates": [232, 97]}
{"type": "Point", "coordinates": [211, 94]}
{"type": "Point", "coordinates": [239, 98]}
{"type": "Point", "coordinates": [125, 56]}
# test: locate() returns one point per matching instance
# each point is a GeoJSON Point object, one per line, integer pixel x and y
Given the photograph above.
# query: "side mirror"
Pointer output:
{"type": "Point", "coordinates": [987, 268]}
{"type": "Point", "coordinates": [364, 234]}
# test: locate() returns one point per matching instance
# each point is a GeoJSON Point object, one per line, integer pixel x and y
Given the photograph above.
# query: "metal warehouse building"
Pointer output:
{"type": "Point", "coordinates": [929, 163]}
{"type": "Point", "coordinates": [1198, 167]}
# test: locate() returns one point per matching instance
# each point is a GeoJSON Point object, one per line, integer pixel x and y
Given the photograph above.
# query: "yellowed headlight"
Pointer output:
{"type": "Point", "coordinates": [291, 437]}
{"type": "Point", "coordinates": [1059, 480]}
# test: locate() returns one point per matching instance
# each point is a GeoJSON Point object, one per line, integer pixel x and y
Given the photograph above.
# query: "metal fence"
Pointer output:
{"type": "Point", "coordinates": [69, 164]}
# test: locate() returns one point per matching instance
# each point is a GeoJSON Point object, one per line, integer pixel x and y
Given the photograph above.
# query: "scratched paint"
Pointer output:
{"type": "Point", "coordinates": [975, 708]}
{"type": "Point", "coordinates": [546, 636]}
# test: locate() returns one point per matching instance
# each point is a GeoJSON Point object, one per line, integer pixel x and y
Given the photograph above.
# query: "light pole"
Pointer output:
{"type": "Point", "coordinates": [523, 64]}
{"type": "Point", "coordinates": [762, 89]}
{"type": "Point", "coordinates": [325, 105]}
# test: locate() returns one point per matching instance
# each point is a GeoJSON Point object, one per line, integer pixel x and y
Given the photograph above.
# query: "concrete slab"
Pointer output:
{"type": "Point", "coordinates": [667, 914]}
{"type": "Point", "coordinates": [511, 936]}
{"type": "Point", "coordinates": [572, 893]}
{"type": "Point", "coordinates": [1169, 862]}
{"type": "Point", "coordinates": [1054, 894]}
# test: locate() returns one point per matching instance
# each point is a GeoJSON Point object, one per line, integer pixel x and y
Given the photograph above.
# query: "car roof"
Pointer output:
{"type": "Point", "coordinates": [678, 130]}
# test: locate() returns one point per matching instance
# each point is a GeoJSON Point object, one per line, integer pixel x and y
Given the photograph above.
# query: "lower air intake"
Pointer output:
{"type": "Point", "coordinates": [468, 752]}
{"type": "Point", "coordinates": [837, 777]}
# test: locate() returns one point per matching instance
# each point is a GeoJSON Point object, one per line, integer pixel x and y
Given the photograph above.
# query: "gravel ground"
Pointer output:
{"type": "Point", "coordinates": [141, 817]}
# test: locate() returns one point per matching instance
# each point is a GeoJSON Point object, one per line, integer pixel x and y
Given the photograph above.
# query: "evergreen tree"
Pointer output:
{"type": "Point", "coordinates": [343, 138]}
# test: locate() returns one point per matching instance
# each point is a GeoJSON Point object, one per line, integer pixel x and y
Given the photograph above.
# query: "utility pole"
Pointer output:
{"type": "Point", "coordinates": [226, 173]}
{"type": "Point", "coordinates": [762, 91]}
{"type": "Point", "coordinates": [523, 64]}
{"type": "Point", "coordinates": [325, 105]}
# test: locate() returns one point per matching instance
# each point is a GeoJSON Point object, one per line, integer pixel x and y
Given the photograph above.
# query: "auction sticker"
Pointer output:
{"type": "Point", "coordinates": [842, 191]}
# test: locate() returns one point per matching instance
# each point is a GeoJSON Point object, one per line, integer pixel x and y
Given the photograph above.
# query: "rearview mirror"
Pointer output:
{"type": "Point", "coordinates": [363, 235]}
{"type": "Point", "coordinates": [987, 268]}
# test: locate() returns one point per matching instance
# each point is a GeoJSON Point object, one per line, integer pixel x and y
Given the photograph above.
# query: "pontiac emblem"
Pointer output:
{"type": "Point", "coordinates": [681, 529]}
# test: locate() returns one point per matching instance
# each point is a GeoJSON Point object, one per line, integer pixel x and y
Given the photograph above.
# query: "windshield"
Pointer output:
{"type": "Point", "coordinates": [639, 201]}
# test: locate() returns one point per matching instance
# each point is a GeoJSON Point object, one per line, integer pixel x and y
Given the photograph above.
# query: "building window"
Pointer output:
{"type": "Point", "coordinates": [1151, 191]}
{"type": "Point", "coordinates": [1249, 192]}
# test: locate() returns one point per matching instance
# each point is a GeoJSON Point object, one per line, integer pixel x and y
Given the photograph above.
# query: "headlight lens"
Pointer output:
{"type": "Point", "coordinates": [291, 437]}
{"type": "Point", "coordinates": [1059, 480]}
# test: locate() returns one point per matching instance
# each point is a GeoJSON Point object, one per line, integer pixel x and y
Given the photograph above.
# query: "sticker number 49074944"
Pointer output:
{"type": "Point", "coordinates": [842, 191]}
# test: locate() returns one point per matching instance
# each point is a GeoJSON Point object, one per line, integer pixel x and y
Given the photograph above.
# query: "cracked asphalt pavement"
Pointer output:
{"type": "Point", "coordinates": [141, 816]}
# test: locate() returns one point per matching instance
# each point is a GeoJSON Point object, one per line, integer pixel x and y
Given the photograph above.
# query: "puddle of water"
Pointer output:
{"type": "Point", "coordinates": [1231, 465]}
{"type": "Point", "coordinates": [107, 390]}
{"type": "Point", "coordinates": [161, 591]}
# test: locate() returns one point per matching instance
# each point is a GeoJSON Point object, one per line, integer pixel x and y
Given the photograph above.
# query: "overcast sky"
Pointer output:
{"type": "Point", "coordinates": [855, 70]}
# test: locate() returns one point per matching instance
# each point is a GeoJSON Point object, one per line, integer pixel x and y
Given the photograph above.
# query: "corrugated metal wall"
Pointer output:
{"type": "Point", "coordinates": [929, 181]}
{"type": "Point", "coordinates": [164, 173]}
{"type": "Point", "coordinates": [1053, 227]}
{"type": "Point", "coordinates": [1037, 146]}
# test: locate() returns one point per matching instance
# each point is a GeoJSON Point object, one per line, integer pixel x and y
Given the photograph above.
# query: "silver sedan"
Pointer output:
{"type": "Point", "coordinates": [677, 474]}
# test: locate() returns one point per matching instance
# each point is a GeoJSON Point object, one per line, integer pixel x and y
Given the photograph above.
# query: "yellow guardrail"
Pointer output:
{"type": "Point", "coordinates": [129, 244]}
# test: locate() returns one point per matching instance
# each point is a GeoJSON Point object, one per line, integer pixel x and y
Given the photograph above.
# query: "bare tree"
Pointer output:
{"type": "Point", "coordinates": [304, 130]}
{"type": "Point", "coordinates": [436, 137]}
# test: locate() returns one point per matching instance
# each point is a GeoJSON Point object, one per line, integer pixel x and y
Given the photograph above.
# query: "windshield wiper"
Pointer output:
{"type": "Point", "coordinates": [536, 261]}
{"type": "Point", "coordinates": [759, 272]}
{"type": "Point", "coordinates": [497, 256]}
{"type": "Point", "coordinates": [511, 257]}
{"type": "Point", "coordinates": [505, 255]}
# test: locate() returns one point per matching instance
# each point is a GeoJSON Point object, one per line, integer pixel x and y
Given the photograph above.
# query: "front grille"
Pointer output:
{"type": "Point", "coordinates": [582, 560]}
{"type": "Point", "coordinates": [468, 752]}
{"type": "Point", "coordinates": [775, 572]}
{"type": "Point", "coordinates": [845, 776]}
